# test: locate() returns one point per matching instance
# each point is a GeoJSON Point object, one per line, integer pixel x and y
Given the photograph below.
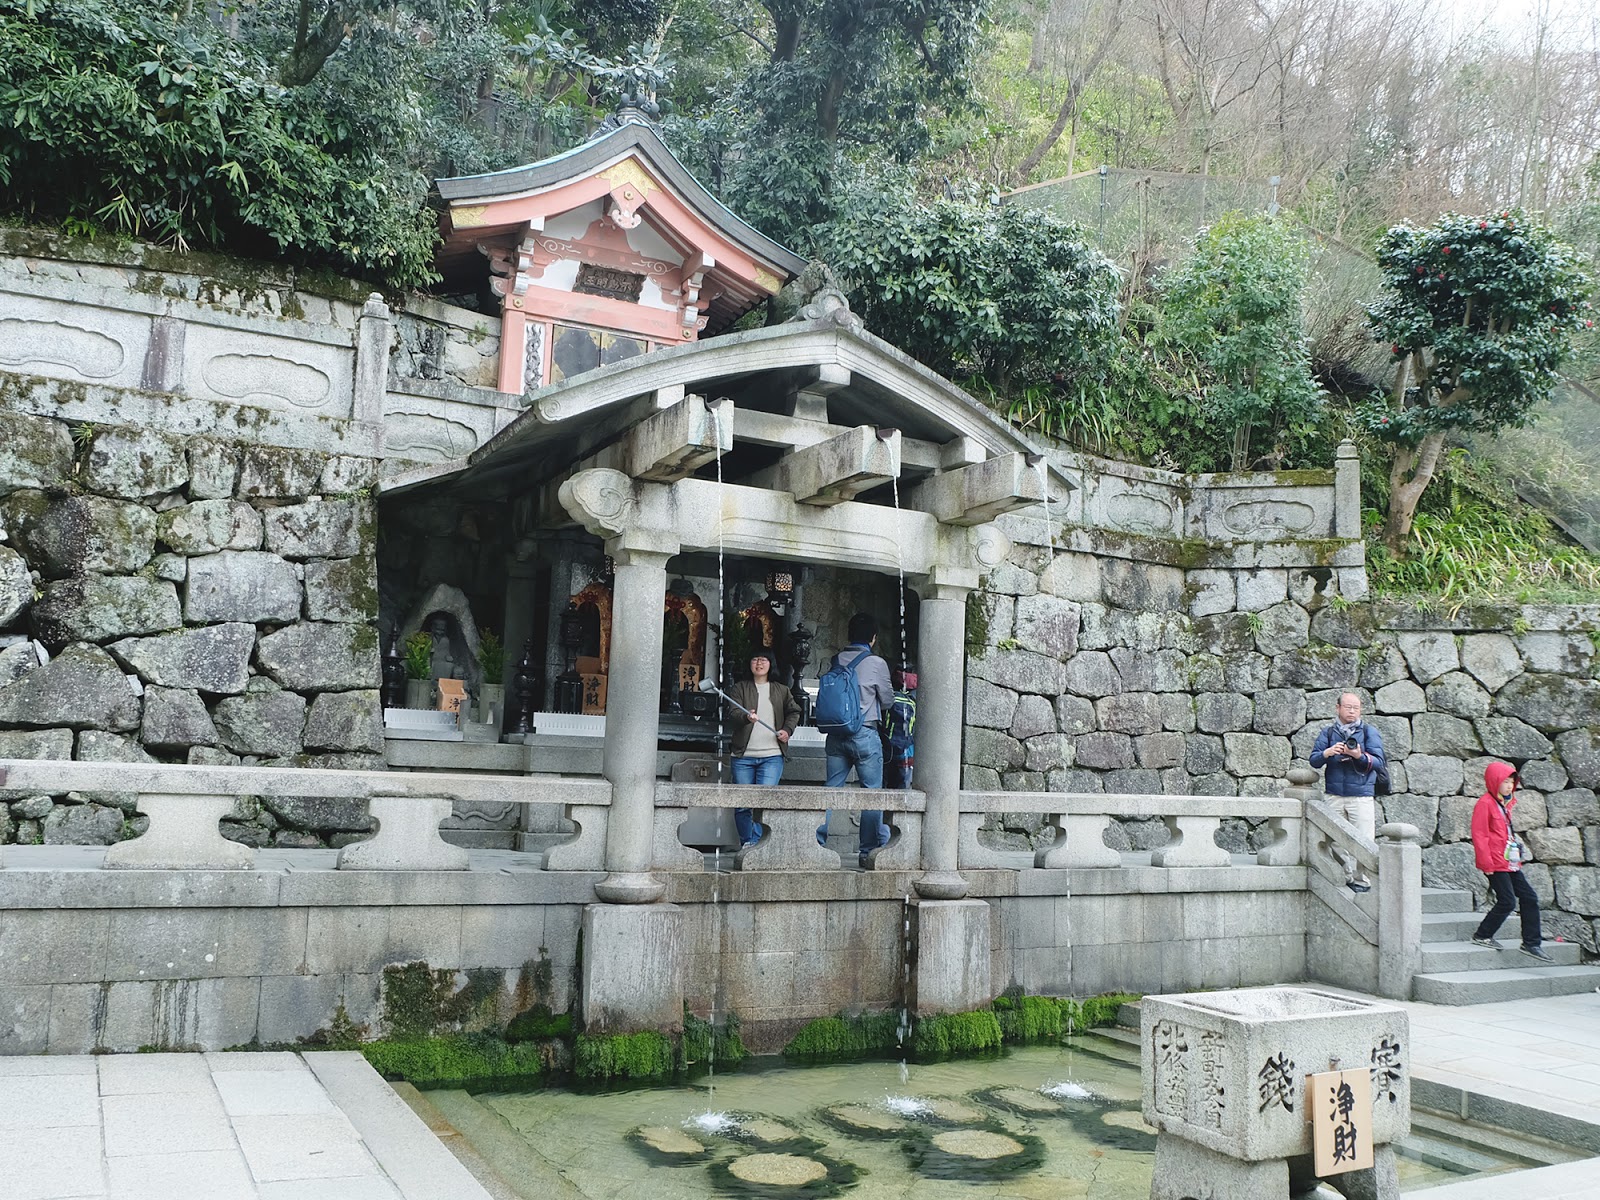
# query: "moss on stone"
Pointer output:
{"type": "Point", "coordinates": [704, 1043]}
{"type": "Point", "coordinates": [461, 1059]}
{"type": "Point", "coordinates": [831, 1039]}
{"type": "Point", "coordinates": [415, 999]}
{"type": "Point", "coordinates": [646, 1055]}
{"type": "Point", "coordinates": [539, 1023]}
{"type": "Point", "coordinates": [956, 1034]}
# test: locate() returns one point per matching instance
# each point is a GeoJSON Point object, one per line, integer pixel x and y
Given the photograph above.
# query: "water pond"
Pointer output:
{"type": "Point", "coordinates": [1035, 1123]}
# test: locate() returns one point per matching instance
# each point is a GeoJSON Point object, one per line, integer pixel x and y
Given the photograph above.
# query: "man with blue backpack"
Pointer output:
{"type": "Point", "coordinates": [852, 696]}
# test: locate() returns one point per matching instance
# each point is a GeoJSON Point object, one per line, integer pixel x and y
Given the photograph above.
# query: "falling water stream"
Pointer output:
{"type": "Point", "coordinates": [1041, 464]}
{"type": "Point", "coordinates": [716, 853]}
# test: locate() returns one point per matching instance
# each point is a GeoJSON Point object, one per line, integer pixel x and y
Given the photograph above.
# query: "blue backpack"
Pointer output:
{"type": "Point", "coordinates": [838, 707]}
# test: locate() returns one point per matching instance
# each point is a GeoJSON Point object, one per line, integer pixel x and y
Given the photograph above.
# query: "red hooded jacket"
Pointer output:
{"type": "Point", "coordinates": [1490, 829]}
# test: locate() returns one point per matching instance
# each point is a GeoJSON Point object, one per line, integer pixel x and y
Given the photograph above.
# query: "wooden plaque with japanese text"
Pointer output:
{"type": "Point", "coordinates": [1341, 1121]}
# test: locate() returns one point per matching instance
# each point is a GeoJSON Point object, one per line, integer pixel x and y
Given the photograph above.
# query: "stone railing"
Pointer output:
{"type": "Point", "coordinates": [1389, 917]}
{"type": "Point", "coordinates": [185, 803]}
{"type": "Point", "coordinates": [791, 816]}
{"type": "Point", "coordinates": [1080, 822]}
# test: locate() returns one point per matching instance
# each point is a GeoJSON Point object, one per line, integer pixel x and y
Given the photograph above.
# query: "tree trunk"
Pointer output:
{"type": "Point", "coordinates": [1408, 479]}
{"type": "Point", "coordinates": [1067, 114]}
{"type": "Point", "coordinates": [313, 47]}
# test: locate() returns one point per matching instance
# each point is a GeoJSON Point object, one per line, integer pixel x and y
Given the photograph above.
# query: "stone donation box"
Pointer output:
{"type": "Point", "coordinates": [1225, 1078]}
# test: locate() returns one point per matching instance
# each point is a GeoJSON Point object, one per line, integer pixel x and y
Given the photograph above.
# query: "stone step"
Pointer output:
{"type": "Point", "coordinates": [1450, 927]}
{"type": "Point", "coordinates": [1446, 900]}
{"type": "Point", "coordinates": [1487, 987]}
{"type": "Point", "coordinates": [1121, 1036]}
{"type": "Point", "coordinates": [1457, 956]}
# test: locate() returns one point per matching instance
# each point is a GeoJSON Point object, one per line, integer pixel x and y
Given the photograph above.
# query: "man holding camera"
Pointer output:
{"type": "Point", "coordinates": [1351, 751]}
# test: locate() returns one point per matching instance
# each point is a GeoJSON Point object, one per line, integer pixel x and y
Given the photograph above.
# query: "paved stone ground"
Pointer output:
{"type": "Point", "coordinates": [1542, 1054]}
{"type": "Point", "coordinates": [325, 1127]}
{"type": "Point", "coordinates": [218, 1126]}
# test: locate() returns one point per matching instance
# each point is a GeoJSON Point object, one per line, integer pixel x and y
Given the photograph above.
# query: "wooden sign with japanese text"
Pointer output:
{"type": "Point", "coordinates": [1341, 1121]}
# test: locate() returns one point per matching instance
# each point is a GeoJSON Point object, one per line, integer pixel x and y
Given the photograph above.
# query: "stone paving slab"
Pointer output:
{"type": "Point", "coordinates": [270, 1126]}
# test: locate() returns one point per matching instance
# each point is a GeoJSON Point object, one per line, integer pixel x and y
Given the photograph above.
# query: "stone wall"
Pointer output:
{"type": "Point", "coordinates": [1150, 666]}
{"type": "Point", "coordinates": [203, 600]}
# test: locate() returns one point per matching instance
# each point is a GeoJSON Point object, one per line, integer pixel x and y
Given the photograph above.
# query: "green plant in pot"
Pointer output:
{"type": "Point", "coordinates": [492, 691]}
{"type": "Point", "coordinates": [419, 670]}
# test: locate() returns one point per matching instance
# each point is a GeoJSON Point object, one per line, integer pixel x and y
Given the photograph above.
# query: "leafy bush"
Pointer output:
{"type": "Point", "coordinates": [1009, 294]}
{"type": "Point", "coordinates": [1235, 305]}
{"type": "Point", "coordinates": [148, 119]}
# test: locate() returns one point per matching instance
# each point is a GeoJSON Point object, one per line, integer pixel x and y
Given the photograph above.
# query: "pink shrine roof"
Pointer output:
{"type": "Point", "coordinates": [626, 178]}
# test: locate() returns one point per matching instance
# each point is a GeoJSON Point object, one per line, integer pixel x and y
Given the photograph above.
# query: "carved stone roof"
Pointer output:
{"type": "Point", "coordinates": [872, 384]}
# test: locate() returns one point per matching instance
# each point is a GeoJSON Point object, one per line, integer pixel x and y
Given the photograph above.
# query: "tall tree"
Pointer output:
{"type": "Point", "coordinates": [1479, 313]}
{"type": "Point", "coordinates": [1073, 40]}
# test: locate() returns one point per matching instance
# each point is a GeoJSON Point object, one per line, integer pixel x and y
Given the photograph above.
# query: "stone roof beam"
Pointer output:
{"type": "Point", "coordinates": [836, 470]}
{"type": "Point", "coordinates": [980, 492]}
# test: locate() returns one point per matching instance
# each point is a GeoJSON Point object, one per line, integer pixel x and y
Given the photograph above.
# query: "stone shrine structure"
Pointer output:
{"type": "Point", "coordinates": [222, 486]}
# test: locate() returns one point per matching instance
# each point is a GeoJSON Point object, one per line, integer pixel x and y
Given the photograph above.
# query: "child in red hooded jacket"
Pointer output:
{"type": "Point", "coordinates": [1500, 854]}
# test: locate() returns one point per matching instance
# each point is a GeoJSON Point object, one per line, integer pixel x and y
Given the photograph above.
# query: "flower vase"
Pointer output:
{"type": "Point", "coordinates": [419, 693]}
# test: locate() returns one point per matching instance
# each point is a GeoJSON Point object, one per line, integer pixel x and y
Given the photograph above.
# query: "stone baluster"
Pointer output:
{"type": "Point", "coordinates": [1193, 843]}
{"type": "Point", "coordinates": [407, 838]}
{"type": "Point", "coordinates": [942, 632]}
{"type": "Point", "coordinates": [182, 836]}
{"type": "Point", "coordinates": [1080, 841]}
{"type": "Point", "coordinates": [628, 760]}
{"type": "Point", "coordinates": [1347, 491]}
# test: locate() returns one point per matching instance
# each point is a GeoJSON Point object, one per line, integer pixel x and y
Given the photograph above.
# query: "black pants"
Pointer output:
{"type": "Point", "coordinates": [1512, 890]}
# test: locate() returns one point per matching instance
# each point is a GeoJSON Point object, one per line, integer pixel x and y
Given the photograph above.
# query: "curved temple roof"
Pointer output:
{"type": "Point", "coordinates": [501, 205]}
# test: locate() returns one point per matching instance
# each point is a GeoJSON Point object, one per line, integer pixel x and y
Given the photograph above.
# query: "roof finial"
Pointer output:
{"type": "Point", "coordinates": [637, 105]}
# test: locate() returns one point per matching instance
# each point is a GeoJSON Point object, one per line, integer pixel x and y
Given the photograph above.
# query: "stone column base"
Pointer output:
{"type": "Point", "coordinates": [951, 956]}
{"type": "Point", "coordinates": [1185, 1170]}
{"type": "Point", "coordinates": [632, 968]}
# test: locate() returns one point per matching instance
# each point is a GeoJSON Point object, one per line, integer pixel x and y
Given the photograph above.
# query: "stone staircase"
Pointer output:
{"type": "Point", "coordinates": [1454, 971]}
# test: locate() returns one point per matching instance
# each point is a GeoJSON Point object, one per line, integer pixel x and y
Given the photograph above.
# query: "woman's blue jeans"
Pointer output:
{"type": "Point", "coordinates": [767, 772]}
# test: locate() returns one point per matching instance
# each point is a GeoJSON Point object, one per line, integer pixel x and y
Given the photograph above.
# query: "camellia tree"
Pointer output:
{"type": "Point", "coordinates": [1479, 313]}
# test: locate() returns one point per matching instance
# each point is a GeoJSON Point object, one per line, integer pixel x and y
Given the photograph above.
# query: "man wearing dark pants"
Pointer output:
{"type": "Point", "coordinates": [862, 749]}
{"type": "Point", "coordinates": [1351, 751]}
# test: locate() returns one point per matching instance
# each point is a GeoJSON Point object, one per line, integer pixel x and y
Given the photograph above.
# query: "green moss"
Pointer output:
{"type": "Point", "coordinates": [977, 623]}
{"type": "Point", "coordinates": [646, 1055]}
{"type": "Point", "coordinates": [1102, 1010]}
{"type": "Point", "coordinates": [711, 1045]}
{"type": "Point", "coordinates": [956, 1034]}
{"type": "Point", "coordinates": [1028, 1019]}
{"type": "Point", "coordinates": [830, 1039]}
{"type": "Point", "coordinates": [539, 1023]}
{"type": "Point", "coordinates": [462, 1059]}
{"type": "Point", "coordinates": [415, 999]}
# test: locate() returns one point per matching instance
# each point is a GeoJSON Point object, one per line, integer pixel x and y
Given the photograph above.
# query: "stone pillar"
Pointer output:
{"type": "Point", "coordinates": [372, 361]}
{"type": "Point", "coordinates": [1347, 491]}
{"type": "Point", "coordinates": [633, 689]}
{"type": "Point", "coordinates": [952, 956]}
{"type": "Point", "coordinates": [632, 968]}
{"type": "Point", "coordinates": [1399, 909]}
{"type": "Point", "coordinates": [942, 662]}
